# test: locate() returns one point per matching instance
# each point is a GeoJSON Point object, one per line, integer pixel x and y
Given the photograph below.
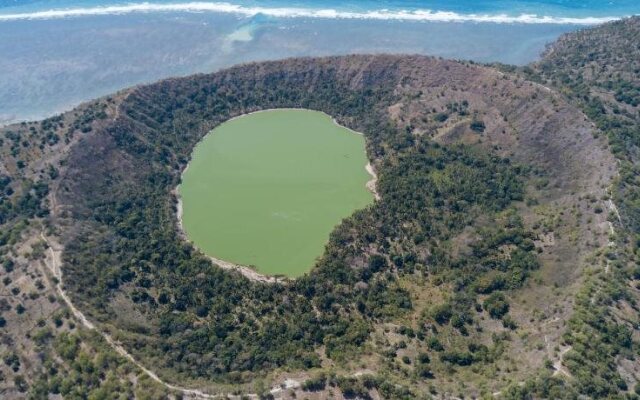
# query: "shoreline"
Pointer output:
{"type": "Point", "coordinates": [371, 184]}
{"type": "Point", "coordinates": [375, 14]}
{"type": "Point", "coordinates": [247, 271]}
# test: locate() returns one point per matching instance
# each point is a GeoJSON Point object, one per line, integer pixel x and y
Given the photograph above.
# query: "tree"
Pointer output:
{"type": "Point", "coordinates": [496, 305]}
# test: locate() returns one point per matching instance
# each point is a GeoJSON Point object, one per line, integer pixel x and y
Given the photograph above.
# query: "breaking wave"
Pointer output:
{"type": "Point", "coordinates": [286, 12]}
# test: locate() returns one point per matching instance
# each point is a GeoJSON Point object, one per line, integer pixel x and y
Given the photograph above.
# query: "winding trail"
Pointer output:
{"type": "Point", "coordinates": [55, 252]}
{"type": "Point", "coordinates": [54, 262]}
{"type": "Point", "coordinates": [558, 364]}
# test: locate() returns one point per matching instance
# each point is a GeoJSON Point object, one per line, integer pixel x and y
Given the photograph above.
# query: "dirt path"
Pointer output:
{"type": "Point", "coordinates": [53, 263]}
{"type": "Point", "coordinates": [558, 366]}
{"type": "Point", "coordinates": [54, 268]}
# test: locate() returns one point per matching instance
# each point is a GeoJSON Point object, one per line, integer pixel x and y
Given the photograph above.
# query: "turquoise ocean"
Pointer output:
{"type": "Point", "coordinates": [55, 54]}
{"type": "Point", "coordinates": [529, 11]}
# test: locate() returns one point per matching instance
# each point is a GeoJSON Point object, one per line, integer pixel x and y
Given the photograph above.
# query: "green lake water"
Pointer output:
{"type": "Point", "coordinates": [266, 189]}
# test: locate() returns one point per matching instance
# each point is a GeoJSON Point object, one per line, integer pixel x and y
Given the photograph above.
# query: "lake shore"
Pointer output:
{"type": "Point", "coordinates": [247, 271]}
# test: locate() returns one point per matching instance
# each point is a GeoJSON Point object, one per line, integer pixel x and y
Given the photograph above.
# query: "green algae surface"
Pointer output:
{"type": "Point", "coordinates": [266, 189]}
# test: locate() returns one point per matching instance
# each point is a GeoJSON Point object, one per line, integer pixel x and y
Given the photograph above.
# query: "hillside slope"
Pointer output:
{"type": "Point", "coordinates": [599, 71]}
{"type": "Point", "coordinates": [467, 277]}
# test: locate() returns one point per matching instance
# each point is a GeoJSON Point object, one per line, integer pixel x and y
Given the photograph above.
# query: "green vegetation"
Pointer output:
{"type": "Point", "coordinates": [595, 69]}
{"type": "Point", "coordinates": [427, 290]}
{"type": "Point", "coordinates": [89, 371]}
{"type": "Point", "coordinates": [267, 189]}
{"type": "Point", "coordinates": [125, 243]}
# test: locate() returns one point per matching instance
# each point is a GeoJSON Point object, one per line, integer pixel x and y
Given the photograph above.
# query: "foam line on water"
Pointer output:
{"type": "Point", "coordinates": [286, 12]}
